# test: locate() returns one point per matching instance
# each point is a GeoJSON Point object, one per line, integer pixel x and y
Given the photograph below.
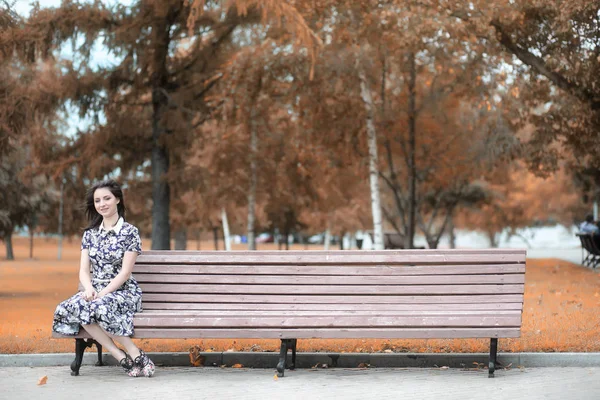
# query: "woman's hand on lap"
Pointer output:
{"type": "Point", "coordinates": [89, 294]}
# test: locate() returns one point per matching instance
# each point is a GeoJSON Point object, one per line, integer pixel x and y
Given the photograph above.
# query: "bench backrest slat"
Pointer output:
{"type": "Point", "coordinates": [343, 270]}
{"type": "Point", "coordinates": [376, 290]}
{"type": "Point", "coordinates": [329, 279]}
{"type": "Point", "coordinates": [320, 299]}
{"type": "Point", "coordinates": [348, 257]}
{"type": "Point", "coordinates": [371, 307]}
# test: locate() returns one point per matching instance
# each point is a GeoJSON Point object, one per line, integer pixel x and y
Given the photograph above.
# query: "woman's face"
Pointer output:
{"type": "Point", "coordinates": [105, 202]}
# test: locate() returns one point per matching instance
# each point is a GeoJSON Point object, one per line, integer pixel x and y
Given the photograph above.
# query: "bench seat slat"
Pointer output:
{"type": "Point", "coordinates": [333, 313]}
{"type": "Point", "coordinates": [332, 289]}
{"type": "Point", "coordinates": [330, 280]}
{"type": "Point", "coordinates": [349, 333]}
{"type": "Point", "coordinates": [148, 306]}
{"type": "Point", "coordinates": [320, 299]}
{"type": "Point", "coordinates": [342, 270]}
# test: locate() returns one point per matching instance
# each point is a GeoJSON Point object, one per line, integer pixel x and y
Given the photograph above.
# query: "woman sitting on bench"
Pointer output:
{"type": "Point", "coordinates": [111, 295]}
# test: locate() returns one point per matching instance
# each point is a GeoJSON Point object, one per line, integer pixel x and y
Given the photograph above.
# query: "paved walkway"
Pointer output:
{"type": "Point", "coordinates": [338, 383]}
{"type": "Point", "coordinates": [571, 254]}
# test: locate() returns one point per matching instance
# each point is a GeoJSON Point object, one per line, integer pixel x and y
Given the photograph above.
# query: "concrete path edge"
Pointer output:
{"type": "Point", "coordinates": [327, 360]}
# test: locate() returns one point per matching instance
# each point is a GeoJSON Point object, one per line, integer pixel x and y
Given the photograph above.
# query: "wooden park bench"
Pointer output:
{"type": "Point", "coordinates": [291, 295]}
{"type": "Point", "coordinates": [590, 251]}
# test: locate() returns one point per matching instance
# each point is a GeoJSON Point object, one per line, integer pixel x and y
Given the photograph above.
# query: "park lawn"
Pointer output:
{"type": "Point", "coordinates": [561, 311]}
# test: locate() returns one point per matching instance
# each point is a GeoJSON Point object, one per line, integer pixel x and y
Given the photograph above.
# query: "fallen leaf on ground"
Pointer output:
{"type": "Point", "coordinates": [196, 359]}
{"type": "Point", "coordinates": [237, 366]}
{"type": "Point", "coordinates": [363, 365]}
{"type": "Point", "coordinates": [275, 377]}
{"type": "Point", "coordinates": [43, 380]}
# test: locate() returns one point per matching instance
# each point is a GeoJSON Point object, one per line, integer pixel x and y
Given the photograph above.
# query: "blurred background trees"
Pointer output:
{"type": "Point", "coordinates": [485, 117]}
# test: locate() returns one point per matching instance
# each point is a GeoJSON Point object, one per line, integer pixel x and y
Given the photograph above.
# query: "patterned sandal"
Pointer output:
{"type": "Point", "coordinates": [143, 365]}
{"type": "Point", "coordinates": [128, 364]}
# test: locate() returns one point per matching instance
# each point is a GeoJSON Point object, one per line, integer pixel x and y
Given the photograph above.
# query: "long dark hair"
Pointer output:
{"type": "Point", "coordinates": [93, 217]}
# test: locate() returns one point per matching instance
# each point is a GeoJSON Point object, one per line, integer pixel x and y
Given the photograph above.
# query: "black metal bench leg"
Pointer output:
{"type": "Point", "coordinates": [80, 346]}
{"type": "Point", "coordinates": [99, 363]}
{"type": "Point", "coordinates": [493, 356]}
{"type": "Point", "coordinates": [293, 343]}
{"type": "Point", "coordinates": [282, 357]}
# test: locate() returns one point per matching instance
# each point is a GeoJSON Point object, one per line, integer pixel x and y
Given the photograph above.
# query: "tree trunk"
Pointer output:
{"type": "Point", "coordinates": [451, 233]}
{"type": "Point", "coordinates": [327, 239]}
{"type": "Point", "coordinates": [181, 239]}
{"type": "Point", "coordinates": [287, 239]}
{"type": "Point", "coordinates": [412, 145]}
{"type": "Point", "coordinates": [30, 243]}
{"type": "Point", "coordinates": [60, 218]}
{"type": "Point", "coordinates": [198, 238]}
{"type": "Point", "coordinates": [161, 230]}
{"type": "Point", "coordinates": [9, 246]}
{"type": "Point", "coordinates": [226, 235]}
{"type": "Point", "coordinates": [432, 243]}
{"type": "Point", "coordinates": [216, 236]}
{"type": "Point", "coordinates": [493, 239]}
{"type": "Point", "coordinates": [253, 181]}
{"type": "Point", "coordinates": [342, 234]}
{"type": "Point", "coordinates": [276, 238]}
{"type": "Point", "coordinates": [373, 161]}
{"type": "Point", "coordinates": [304, 241]}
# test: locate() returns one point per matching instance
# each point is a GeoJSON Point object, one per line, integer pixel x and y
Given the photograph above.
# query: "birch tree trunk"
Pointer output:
{"type": "Point", "coordinates": [373, 161]}
{"type": "Point", "coordinates": [327, 239]}
{"type": "Point", "coordinates": [412, 146]}
{"type": "Point", "coordinates": [253, 181]}
{"type": "Point", "coordinates": [226, 235]}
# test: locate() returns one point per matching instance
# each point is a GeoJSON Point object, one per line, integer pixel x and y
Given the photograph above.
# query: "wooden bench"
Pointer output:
{"type": "Point", "coordinates": [291, 295]}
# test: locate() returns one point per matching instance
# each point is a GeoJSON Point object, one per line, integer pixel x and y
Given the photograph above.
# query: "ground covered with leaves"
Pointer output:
{"type": "Point", "coordinates": [561, 312]}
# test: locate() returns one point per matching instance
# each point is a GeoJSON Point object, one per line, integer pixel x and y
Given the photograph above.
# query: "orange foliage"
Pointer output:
{"type": "Point", "coordinates": [520, 199]}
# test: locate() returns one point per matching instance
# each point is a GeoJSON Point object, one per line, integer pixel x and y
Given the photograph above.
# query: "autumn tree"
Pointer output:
{"type": "Point", "coordinates": [28, 108]}
{"type": "Point", "coordinates": [518, 199]}
{"type": "Point", "coordinates": [168, 56]}
{"type": "Point", "coordinates": [407, 73]}
{"type": "Point", "coordinates": [554, 49]}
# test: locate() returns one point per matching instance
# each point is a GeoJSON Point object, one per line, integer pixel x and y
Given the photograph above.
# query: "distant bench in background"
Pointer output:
{"type": "Point", "coordinates": [590, 249]}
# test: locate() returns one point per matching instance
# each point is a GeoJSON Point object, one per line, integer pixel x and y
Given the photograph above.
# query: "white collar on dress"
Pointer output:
{"type": "Point", "coordinates": [116, 228]}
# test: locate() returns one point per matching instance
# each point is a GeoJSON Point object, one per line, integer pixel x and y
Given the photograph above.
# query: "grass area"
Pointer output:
{"type": "Point", "coordinates": [561, 311]}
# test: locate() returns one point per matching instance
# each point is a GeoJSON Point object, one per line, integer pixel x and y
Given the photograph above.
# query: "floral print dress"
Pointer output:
{"type": "Point", "coordinates": [114, 311]}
